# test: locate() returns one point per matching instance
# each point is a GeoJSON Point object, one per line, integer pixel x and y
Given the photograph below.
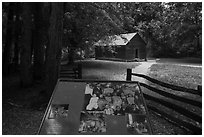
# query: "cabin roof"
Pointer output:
{"type": "Point", "coordinates": [121, 39]}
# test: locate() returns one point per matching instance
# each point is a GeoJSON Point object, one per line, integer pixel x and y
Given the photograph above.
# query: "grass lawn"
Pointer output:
{"type": "Point", "coordinates": [189, 77]}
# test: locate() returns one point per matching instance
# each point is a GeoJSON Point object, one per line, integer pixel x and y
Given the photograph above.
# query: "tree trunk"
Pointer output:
{"type": "Point", "coordinates": [25, 63]}
{"type": "Point", "coordinates": [54, 48]}
{"type": "Point", "coordinates": [198, 42]}
{"type": "Point", "coordinates": [71, 56]}
{"type": "Point", "coordinates": [8, 42]}
{"type": "Point", "coordinates": [149, 48]}
{"type": "Point", "coordinates": [38, 42]}
{"type": "Point", "coordinates": [16, 39]}
{"type": "Point", "coordinates": [46, 13]}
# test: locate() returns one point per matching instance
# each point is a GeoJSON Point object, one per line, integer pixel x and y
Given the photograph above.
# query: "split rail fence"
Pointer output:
{"type": "Point", "coordinates": [173, 106]}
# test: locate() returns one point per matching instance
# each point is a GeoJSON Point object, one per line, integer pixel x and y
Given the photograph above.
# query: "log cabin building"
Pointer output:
{"type": "Point", "coordinates": [124, 47]}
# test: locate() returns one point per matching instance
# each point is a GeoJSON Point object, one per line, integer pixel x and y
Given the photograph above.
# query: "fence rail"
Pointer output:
{"type": "Point", "coordinates": [179, 122]}
{"type": "Point", "coordinates": [173, 96]}
{"type": "Point", "coordinates": [167, 85]}
{"type": "Point", "coordinates": [175, 107]}
{"type": "Point", "coordinates": [170, 104]}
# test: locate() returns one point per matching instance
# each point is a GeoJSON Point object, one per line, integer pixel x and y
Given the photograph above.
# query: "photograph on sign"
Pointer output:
{"type": "Point", "coordinates": [137, 124]}
{"type": "Point", "coordinates": [113, 99]}
{"type": "Point", "coordinates": [92, 122]}
{"type": "Point", "coordinates": [58, 110]}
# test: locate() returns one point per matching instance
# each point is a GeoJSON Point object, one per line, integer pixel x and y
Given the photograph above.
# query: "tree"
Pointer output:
{"type": "Point", "coordinates": [86, 23]}
{"type": "Point", "coordinates": [25, 63]}
{"type": "Point", "coordinates": [189, 26]}
{"type": "Point", "coordinates": [8, 41]}
{"type": "Point", "coordinates": [38, 41]}
{"type": "Point", "coordinates": [53, 49]}
{"type": "Point", "coordinates": [17, 35]}
{"type": "Point", "coordinates": [168, 26]}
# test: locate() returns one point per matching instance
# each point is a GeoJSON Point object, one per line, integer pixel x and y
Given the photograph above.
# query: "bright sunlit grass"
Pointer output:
{"type": "Point", "coordinates": [189, 77]}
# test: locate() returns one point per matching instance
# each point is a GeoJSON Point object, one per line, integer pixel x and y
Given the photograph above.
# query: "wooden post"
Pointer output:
{"type": "Point", "coordinates": [129, 72]}
{"type": "Point", "coordinates": [200, 89]}
{"type": "Point", "coordinates": [79, 71]}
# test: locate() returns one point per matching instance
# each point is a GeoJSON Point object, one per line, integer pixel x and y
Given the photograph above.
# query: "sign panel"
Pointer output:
{"type": "Point", "coordinates": [96, 107]}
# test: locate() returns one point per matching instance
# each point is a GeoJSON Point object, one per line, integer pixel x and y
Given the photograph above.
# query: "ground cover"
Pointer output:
{"type": "Point", "coordinates": [20, 121]}
{"type": "Point", "coordinates": [18, 117]}
{"type": "Point", "coordinates": [189, 77]}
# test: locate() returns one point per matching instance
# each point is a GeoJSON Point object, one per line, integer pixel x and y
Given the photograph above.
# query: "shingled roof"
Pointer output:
{"type": "Point", "coordinates": [121, 39]}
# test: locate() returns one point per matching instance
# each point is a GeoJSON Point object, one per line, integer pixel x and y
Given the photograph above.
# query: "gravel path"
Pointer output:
{"type": "Point", "coordinates": [142, 69]}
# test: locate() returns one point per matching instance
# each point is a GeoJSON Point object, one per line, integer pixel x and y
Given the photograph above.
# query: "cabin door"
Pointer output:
{"type": "Point", "coordinates": [136, 53]}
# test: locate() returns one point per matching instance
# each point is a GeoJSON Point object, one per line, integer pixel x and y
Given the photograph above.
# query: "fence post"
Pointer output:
{"type": "Point", "coordinates": [79, 71]}
{"type": "Point", "coordinates": [129, 73]}
{"type": "Point", "coordinates": [199, 89]}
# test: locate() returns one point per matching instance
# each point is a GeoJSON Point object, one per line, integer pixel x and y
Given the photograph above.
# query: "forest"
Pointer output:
{"type": "Point", "coordinates": [36, 36]}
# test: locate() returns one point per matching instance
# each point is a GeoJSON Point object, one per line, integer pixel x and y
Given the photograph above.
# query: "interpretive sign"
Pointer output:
{"type": "Point", "coordinates": [96, 107]}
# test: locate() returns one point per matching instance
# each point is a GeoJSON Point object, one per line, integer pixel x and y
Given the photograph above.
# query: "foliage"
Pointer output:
{"type": "Point", "coordinates": [171, 26]}
{"type": "Point", "coordinates": [86, 23]}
